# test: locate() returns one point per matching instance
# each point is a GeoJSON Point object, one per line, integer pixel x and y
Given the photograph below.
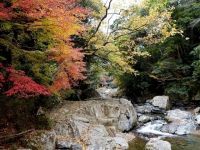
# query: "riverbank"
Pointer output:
{"type": "Point", "coordinates": [115, 123]}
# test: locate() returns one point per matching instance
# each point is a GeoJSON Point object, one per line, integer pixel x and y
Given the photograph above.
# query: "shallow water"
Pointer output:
{"type": "Point", "coordinates": [137, 144]}
{"type": "Point", "coordinates": [189, 142]}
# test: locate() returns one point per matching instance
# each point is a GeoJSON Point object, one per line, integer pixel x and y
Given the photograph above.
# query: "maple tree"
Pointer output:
{"type": "Point", "coordinates": [21, 85]}
{"type": "Point", "coordinates": [4, 12]}
{"type": "Point", "coordinates": [61, 18]}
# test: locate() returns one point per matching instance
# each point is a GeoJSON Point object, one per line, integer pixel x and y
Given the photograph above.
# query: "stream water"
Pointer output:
{"type": "Point", "coordinates": [190, 142]}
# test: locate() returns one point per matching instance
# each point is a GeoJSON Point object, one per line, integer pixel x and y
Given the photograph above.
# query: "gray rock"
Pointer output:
{"type": "Point", "coordinates": [60, 144]}
{"type": "Point", "coordinates": [197, 119]}
{"type": "Point", "coordinates": [170, 128]}
{"type": "Point", "coordinates": [89, 124]}
{"type": "Point", "coordinates": [161, 102]}
{"type": "Point", "coordinates": [178, 115]}
{"type": "Point", "coordinates": [187, 128]}
{"type": "Point", "coordinates": [148, 108]}
{"type": "Point", "coordinates": [180, 128]}
{"type": "Point", "coordinates": [182, 122]}
{"type": "Point", "coordinates": [144, 118]}
{"type": "Point", "coordinates": [119, 113]}
{"type": "Point", "coordinates": [123, 144]}
{"type": "Point", "coordinates": [196, 111]}
{"type": "Point", "coordinates": [41, 140]}
{"type": "Point", "coordinates": [81, 119]}
{"type": "Point", "coordinates": [157, 144]}
{"type": "Point", "coordinates": [107, 92]}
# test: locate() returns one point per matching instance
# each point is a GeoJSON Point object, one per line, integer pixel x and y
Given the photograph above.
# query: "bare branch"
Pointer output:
{"type": "Point", "coordinates": [109, 22]}
{"type": "Point", "coordinates": [103, 18]}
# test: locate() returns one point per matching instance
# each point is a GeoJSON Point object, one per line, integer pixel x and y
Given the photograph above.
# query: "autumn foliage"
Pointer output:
{"type": "Point", "coordinates": [20, 85]}
{"type": "Point", "coordinates": [61, 18]}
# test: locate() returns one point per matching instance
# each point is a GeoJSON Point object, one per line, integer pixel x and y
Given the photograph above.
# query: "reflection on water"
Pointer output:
{"type": "Point", "coordinates": [185, 143]}
{"type": "Point", "coordinates": [189, 142]}
{"type": "Point", "coordinates": [137, 144]}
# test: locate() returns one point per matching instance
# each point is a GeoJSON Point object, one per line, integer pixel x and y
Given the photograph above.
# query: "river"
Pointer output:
{"type": "Point", "coordinates": [175, 125]}
{"type": "Point", "coordinates": [190, 142]}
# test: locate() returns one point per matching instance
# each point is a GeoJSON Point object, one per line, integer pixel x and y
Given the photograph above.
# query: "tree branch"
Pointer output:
{"type": "Point", "coordinates": [103, 18]}
{"type": "Point", "coordinates": [14, 136]}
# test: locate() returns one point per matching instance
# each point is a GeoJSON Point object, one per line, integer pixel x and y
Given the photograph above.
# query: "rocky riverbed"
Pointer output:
{"type": "Point", "coordinates": [116, 124]}
{"type": "Point", "coordinates": [160, 126]}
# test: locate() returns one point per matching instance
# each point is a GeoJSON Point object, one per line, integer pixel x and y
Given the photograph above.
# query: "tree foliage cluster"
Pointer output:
{"type": "Point", "coordinates": [35, 38]}
{"type": "Point", "coordinates": [171, 38]}
{"type": "Point", "coordinates": [38, 59]}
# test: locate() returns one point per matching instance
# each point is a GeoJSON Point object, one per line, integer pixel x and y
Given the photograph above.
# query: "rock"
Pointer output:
{"type": "Point", "coordinates": [107, 92]}
{"type": "Point", "coordinates": [186, 128]}
{"type": "Point", "coordinates": [128, 136]}
{"type": "Point", "coordinates": [41, 140]}
{"type": "Point", "coordinates": [157, 144]}
{"type": "Point", "coordinates": [102, 143]}
{"type": "Point", "coordinates": [180, 128]}
{"type": "Point", "coordinates": [148, 108]}
{"type": "Point", "coordinates": [97, 137]}
{"type": "Point", "coordinates": [144, 118]}
{"type": "Point", "coordinates": [196, 111]}
{"type": "Point", "coordinates": [197, 119]}
{"type": "Point", "coordinates": [197, 115]}
{"type": "Point", "coordinates": [119, 113]}
{"type": "Point", "coordinates": [178, 115]}
{"type": "Point", "coordinates": [182, 122]}
{"type": "Point", "coordinates": [123, 144]}
{"type": "Point", "coordinates": [62, 144]}
{"type": "Point", "coordinates": [161, 102]}
{"type": "Point", "coordinates": [81, 119]}
{"type": "Point", "coordinates": [197, 133]}
{"type": "Point", "coordinates": [89, 125]}
{"type": "Point", "coordinates": [169, 128]}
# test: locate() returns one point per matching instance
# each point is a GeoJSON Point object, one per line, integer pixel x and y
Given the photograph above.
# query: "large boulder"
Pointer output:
{"type": "Point", "coordinates": [180, 128]}
{"type": "Point", "coordinates": [89, 125]}
{"type": "Point", "coordinates": [161, 102]}
{"type": "Point", "coordinates": [181, 122]}
{"type": "Point", "coordinates": [157, 144]}
{"type": "Point", "coordinates": [178, 115]}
